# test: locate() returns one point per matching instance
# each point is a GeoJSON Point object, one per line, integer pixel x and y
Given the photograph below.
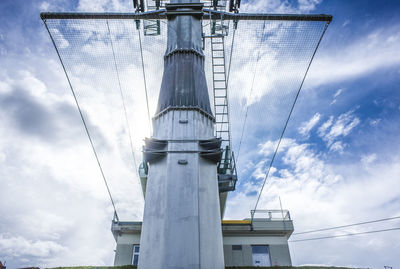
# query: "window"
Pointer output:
{"type": "Point", "coordinates": [236, 247]}
{"type": "Point", "coordinates": [261, 255]}
{"type": "Point", "coordinates": [135, 257]}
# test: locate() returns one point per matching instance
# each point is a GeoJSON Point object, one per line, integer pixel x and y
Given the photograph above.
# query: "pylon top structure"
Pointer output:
{"type": "Point", "coordinates": [188, 165]}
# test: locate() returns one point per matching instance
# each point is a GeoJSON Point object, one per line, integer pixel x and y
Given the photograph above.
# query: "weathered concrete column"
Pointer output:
{"type": "Point", "coordinates": [182, 222]}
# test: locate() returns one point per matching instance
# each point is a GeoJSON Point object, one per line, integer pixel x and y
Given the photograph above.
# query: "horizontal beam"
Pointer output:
{"type": "Point", "coordinates": [209, 13]}
{"type": "Point", "coordinates": [157, 14]}
{"type": "Point", "coordinates": [266, 17]}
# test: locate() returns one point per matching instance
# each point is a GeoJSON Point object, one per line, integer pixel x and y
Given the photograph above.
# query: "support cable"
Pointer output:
{"type": "Point", "coordinates": [145, 83]}
{"type": "Point", "coordinates": [123, 100]}
{"type": "Point", "coordinates": [227, 88]}
{"type": "Point", "coordinates": [348, 225]}
{"type": "Point", "coordinates": [230, 57]}
{"type": "Point", "coordinates": [84, 122]}
{"type": "Point", "coordinates": [290, 114]}
{"type": "Point", "coordinates": [344, 235]}
{"type": "Point", "coordinates": [251, 90]}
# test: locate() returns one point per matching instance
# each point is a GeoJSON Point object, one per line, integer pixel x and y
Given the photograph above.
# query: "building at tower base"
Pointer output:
{"type": "Point", "coordinates": [257, 242]}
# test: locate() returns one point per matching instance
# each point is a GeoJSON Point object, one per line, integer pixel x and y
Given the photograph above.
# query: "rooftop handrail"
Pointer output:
{"type": "Point", "coordinates": [271, 214]}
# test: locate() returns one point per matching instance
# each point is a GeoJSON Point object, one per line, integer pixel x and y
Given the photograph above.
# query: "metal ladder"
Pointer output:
{"type": "Point", "coordinates": [227, 175]}
{"type": "Point", "coordinates": [218, 32]}
{"type": "Point", "coordinates": [221, 107]}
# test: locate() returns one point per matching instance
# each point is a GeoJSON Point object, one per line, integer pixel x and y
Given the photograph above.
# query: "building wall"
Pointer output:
{"type": "Point", "coordinates": [123, 254]}
{"type": "Point", "coordinates": [124, 251]}
{"type": "Point", "coordinates": [278, 249]}
{"type": "Point", "coordinates": [279, 255]}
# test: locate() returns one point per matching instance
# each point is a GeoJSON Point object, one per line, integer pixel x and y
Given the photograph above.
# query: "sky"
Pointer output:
{"type": "Point", "coordinates": [338, 162]}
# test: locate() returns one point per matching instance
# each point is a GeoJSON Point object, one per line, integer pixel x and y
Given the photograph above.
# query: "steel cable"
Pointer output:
{"type": "Point", "coordinates": [290, 113]}
{"type": "Point", "coordinates": [83, 120]}
{"type": "Point", "coordinates": [251, 90]}
{"type": "Point", "coordinates": [145, 83]}
{"type": "Point", "coordinates": [123, 100]}
{"type": "Point", "coordinates": [348, 225]}
{"type": "Point", "coordinates": [344, 235]}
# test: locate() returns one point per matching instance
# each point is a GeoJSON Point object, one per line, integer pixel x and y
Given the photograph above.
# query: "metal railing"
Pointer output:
{"type": "Point", "coordinates": [270, 215]}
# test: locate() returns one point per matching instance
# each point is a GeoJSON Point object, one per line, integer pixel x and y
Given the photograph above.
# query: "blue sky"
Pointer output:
{"type": "Point", "coordinates": [339, 162]}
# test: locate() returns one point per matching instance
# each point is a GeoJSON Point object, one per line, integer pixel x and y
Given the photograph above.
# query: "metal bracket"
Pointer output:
{"type": "Point", "coordinates": [139, 5]}
{"type": "Point", "coordinates": [184, 9]}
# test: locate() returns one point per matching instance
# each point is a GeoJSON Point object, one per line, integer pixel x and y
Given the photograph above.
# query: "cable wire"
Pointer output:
{"type": "Point", "coordinates": [343, 235]}
{"type": "Point", "coordinates": [123, 100]}
{"type": "Point", "coordinates": [290, 114]}
{"type": "Point", "coordinates": [144, 79]}
{"type": "Point", "coordinates": [84, 122]}
{"type": "Point", "coordinates": [251, 90]}
{"type": "Point", "coordinates": [348, 225]}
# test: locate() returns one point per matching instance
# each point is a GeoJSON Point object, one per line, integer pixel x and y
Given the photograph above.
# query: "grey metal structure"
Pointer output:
{"type": "Point", "coordinates": [182, 199]}
{"type": "Point", "coordinates": [188, 166]}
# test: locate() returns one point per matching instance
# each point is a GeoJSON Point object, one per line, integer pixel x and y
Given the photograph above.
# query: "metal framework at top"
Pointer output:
{"type": "Point", "coordinates": [219, 13]}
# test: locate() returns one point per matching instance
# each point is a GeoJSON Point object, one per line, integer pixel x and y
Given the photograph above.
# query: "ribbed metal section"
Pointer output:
{"type": "Point", "coordinates": [184, 81]}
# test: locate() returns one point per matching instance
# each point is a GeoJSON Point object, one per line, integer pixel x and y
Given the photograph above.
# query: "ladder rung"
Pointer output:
{"type": "Point", "coordinates": [220, 105]}
{"type": "Point", "coordinates": [219, 72]}
{"type": "Point", "coordinates": [219, 79]}
{"type": "Point", "coordinates": [222, 122]}
{"type": "Point", "coordinates": [218, 64]}
{"type": "Point", "coordinates": [221, 113]}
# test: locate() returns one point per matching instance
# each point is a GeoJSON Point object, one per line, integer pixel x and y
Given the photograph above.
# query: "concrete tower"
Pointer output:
{"type": "Point", "coordinates": [182, 222]}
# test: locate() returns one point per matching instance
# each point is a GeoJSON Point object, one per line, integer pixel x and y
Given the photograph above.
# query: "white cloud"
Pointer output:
{"type": "Point", "coordinates": [369, 53]}
{"type": "Point", "coordinates": [325, 126]}
{"type": "Point", "coordinates": [332, 130]}
{"type": "Point", "coordinates": [322, 194]}
{"type": "Point", "coordinates": [49, 177]}
{"type": "Point", "coordinates": [374, 122]}
{"type": "Point", "coordinates": [337, 146]}
{"type": "Point", "coordinates": [269, 147]}
{"type": "Point", "coordinates": [307, 126]}
{"type": "Point", "coordinates": [104, 5]}
{"type": "Point", "coordinates": [59, 38]}
{"type": "Point", "coordinates": [308, 5]}
{"type": "Point", "coordinates": [337, 93]}
{"type": "Point", "coordinates": [368, 159]}
{"type": "Point", "coordinates": [44, 6]}
{"type": "Point", "coordinates": [4, 87]}
{"type": "Point", "coordinates": [280, 7]}
{"type": "Point", "coordinates": [16, 246]}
